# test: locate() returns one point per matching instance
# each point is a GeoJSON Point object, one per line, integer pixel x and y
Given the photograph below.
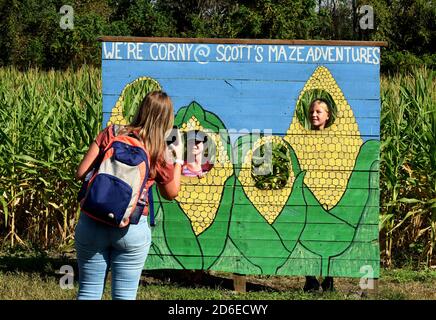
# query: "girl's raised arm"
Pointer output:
{"type": "Point", "coordinates": [87, 162]}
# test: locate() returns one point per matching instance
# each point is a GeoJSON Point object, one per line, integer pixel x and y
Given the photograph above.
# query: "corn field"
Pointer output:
{"type": "Point", "coordinates": [48, 119]}
{"type": "Point", "coordinates": [408, 167]}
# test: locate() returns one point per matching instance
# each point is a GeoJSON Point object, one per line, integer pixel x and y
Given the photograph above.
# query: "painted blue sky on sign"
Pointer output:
{"type": "Point", "coordinates": [245, 93]}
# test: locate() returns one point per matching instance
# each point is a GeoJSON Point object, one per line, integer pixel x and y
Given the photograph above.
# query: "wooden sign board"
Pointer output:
{"type": "Point", "coordinates": [245, 94]}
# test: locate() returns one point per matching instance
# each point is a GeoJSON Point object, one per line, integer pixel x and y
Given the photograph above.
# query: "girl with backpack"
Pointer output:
{"type": "Point", "coordinates": [124, 249]}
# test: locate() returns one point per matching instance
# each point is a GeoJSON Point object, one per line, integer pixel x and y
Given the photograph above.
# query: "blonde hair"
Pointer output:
{"type": "Point", "coordinates": [323, 104]}
{"type": "Point", "coordinates": [153, 119]}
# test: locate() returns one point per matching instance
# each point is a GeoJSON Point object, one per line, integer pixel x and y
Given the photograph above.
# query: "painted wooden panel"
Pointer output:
{"type": "Point", "coordinates": [247, 88]}
{"type": "Point", "coordinates": [219, 53]}
{"type": "Point", "coordinates": [324, 220]}
{"type": "Point", "coordinates": [234, 71]}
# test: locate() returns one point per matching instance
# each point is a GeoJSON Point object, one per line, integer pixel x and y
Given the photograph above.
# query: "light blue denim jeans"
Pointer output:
{"type": "Point", "coordinates": [100, 247]}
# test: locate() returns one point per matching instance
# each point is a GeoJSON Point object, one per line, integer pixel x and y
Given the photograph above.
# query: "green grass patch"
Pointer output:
{"type": "Point", "coordinates": [37, 277]}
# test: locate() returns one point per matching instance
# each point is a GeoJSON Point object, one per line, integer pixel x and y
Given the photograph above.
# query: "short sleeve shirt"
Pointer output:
{"type": "Point", "coordinates": [164, 173]}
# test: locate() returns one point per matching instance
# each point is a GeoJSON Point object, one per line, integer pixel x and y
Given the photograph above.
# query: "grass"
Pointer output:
{"type": "Point", "coordinates": [36, 277]}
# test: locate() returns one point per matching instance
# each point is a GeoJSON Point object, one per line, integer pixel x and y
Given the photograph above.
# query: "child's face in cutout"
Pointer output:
{"type": "Point", "coordinates": [319, 115]}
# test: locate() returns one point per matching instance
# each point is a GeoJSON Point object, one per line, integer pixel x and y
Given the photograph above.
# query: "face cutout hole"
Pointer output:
{"type": "Point", "coordinates": [133, 95]}
{"type": "Point", "coordinates": [316, 110]}
{"type": "Point", "coordinates": [271, 166]}
{"type": "Point", "coordinates": [199, 154]}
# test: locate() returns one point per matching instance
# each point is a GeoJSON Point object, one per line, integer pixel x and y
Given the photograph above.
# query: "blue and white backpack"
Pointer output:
{"type": "Point", "coordinates": [116, 192]}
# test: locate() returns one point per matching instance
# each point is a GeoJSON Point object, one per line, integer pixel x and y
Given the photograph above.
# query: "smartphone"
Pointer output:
{"type": "Point", "coordinates": [172, 138]}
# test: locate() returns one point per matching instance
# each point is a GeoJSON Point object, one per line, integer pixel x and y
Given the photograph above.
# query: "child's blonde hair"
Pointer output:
{"type": "Point", "coordinates": [153, 119]}
{"type": "Point", "coordinates": [323, 104]}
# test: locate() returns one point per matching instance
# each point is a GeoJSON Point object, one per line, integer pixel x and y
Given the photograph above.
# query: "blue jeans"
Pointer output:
{"type": "Point", "coordinates": [101, 246]}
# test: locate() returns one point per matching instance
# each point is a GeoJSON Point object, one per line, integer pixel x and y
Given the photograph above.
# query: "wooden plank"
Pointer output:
{"type": "Point", "coordinates": [289, 208]}
{"type": "Point", "coordinates": [277, 224]}
{"type": "Point", "coordinates": [227, 53]}
{"type": "Point", "coordinates": [280, 107]}
{"type": "Point", "coordinates": [374, 291]}
{"type": "Point", "coordinates": [370, 133]}
{"type": "Point", "coordinates": [367, 125]}
{"type": "Point", "coordinates": [368, 129]}
{"type": "Point", "coordinates": [241, 197]}
{"type": "Point", "coordinates": [129, 70]}
{"type": "Point", "coordinates": [255, 248]}
{"type": "Point", "coordinates": [318, 232]}
{"type": "Point", "coordinates": [240, 41]}
{"type": "Point", "coordinates": [244, 88]}
{"type": "Point", "coordinates": [353, 267]}
{"type": "Point", "coordinates": [295, 206]}
{"type": "Point", "coordinates": [356, 262]}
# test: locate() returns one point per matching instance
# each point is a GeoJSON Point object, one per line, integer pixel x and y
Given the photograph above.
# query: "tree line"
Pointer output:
{"type": "Point", "coordinates": [31, 32]}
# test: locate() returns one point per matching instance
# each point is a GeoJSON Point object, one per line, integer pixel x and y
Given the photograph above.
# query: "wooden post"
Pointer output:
{"type": "Point", "coordinates": [374, 291]}
{"type": "Point", "coordinates": [371, 292]}
{"type": "Point", "coordinates": [239, 282]}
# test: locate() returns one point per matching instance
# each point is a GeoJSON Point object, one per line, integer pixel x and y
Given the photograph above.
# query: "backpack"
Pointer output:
{"type": "Point", "coordinates": [116, 192]}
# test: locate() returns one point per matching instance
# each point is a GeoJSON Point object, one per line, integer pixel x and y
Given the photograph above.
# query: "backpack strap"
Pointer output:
{"type": "Point", "coordinates": [151, 206]}
{"type": "Point", "coordinates": [140, 205]}
{"type": "Point", "coordinates": [94, 168]}
{"type": "Point", "coordinates": [115, 129]}
{"type": "Point", "coordinates": [135, 135]}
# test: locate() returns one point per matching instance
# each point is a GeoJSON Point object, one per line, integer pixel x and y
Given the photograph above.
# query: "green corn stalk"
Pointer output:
{"type": "Point", "coordinates": [48, 121]}
{"type": "Point", "coordinates": [276, 173]}
{"type": "Point", "coordinates": [408, 162]}
{"type": "Point", "coordinates": [134, 95]}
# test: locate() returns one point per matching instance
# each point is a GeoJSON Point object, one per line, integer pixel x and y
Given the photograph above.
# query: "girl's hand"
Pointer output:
{"type": "Point", "coordinates": [177, 146]}
{"type": "Point", "coordinates": [170, 190]}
